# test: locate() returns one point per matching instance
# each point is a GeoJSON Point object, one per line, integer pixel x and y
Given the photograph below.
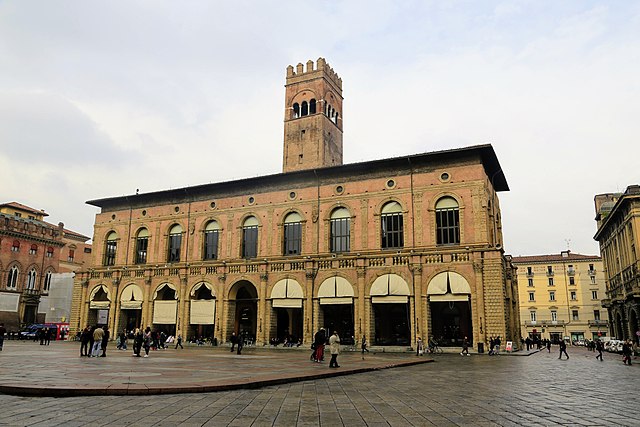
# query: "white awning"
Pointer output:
{"type": "Point", "coordinates": [448, 282]}
{"type": "Point", "coordinates": [201, 284]}
{"type": "Point", "coordinates": [96, 289]}
{"type": "Point", "coordinates": [390, 299]}
{"type": "Point", "coordinates": [165, 312]}
{"type": "Point", "coordinates": [448, 297]}
{"type": "Point", "coordinates": [131, 297]}
{"type": "Point", "coordinates": [159, 288]}
{"type": "Point", "coordinates": [334, 300]}
{"type": "Point", "coordinates": [336, 287]}
{"type": "Point", "coordinates": [287, 293]}
{"type": "Point", "coordinates": [389, 285]}
{"type": "Point", "coordinates": [99, 304]}
{"type": "Point", "coordinates": [203, 312]}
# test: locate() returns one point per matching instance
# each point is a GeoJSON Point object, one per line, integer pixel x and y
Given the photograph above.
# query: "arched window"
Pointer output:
{"type": "Point", "coordinates": [392, 226]}
{"type": "Point", "coordinates": [111, 244]}
{"type": "Point", "coordinates": [12, 278]}
{"type": "Point", "coordinates": [312, 106]}
{"type": "Point", "coordinates": [16, 246]}
{"type": "Point", "coordinates": [335, 118]}
{"type": "Point", "coordinates": [340, 230]}
{"type": "Point", "coordinates": [447, 221]}
{"type": "Point", "coordinates": [296, 110]}
{"type": "Point", "coordinates": [175, 243]}
{"type": "Point", "coordinates": [49, 252]}
{"type": "Point", "coordinates": [142, 245]}
{"type": "Point", "coordinates": [305, 108]}
{"type": "Point", "coordinates": [250, 237]}
{"type": "Point", "coordinates": [71, 256]}
{"type": "Point", "coordinates": [34, 249]}
{"type": "Point", "coordinates": [292, 234]}
{"type": "Point", "coordinates": [211, 237]}
{"type": "Point", "coordinates": [31, 279]}
{"type": "Point", "coordinates": [47, 281]}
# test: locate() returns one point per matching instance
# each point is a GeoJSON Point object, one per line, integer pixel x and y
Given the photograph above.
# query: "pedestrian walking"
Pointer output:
{"type": "Point", "coordinates": [240, 344]}
{"type": "Point", "coordinates": [146, 341]}
{"type": "Point", "coordinates": [334, 347]}
{"type": "Point", "coordinates": [364, 345]}
{"type": "Point", "coordinates": [492, 343]}
{"type": "Point", "coordinates": [548, 346]}
{"type": "Point", "coordinates": [47, 336]}
{"type": "Point", "coordinates": [599, 348]}
{"type": "Point", "coordinates": [123, 340]}
{"type": "Point", "coordinates": [496, 349]}
{"type": "Point", "coordinates": [563, 349]}
{"type": "Point", "coordinates": [465, 347]}
{"type": "Point", "coordinates": [419, 347]}
{"type": "Point", "coordinates": [626, 352]}
{"type": "Point", "coordinates": [98, 334]}
{"type": "Point", "coordinates": [138, 339]}
{"type": "Point", "coordinates": [84, 342]}
{"type": "Point", "coordinates": [2, 332]}
{"type": "Point", "coordinates": [319, 339]}
{"type": "Point", "coordinates": [105, 341]}
{"type": "Point", "coordinates": [234, 341]}
{"type": "Point", "coordinates": [179, 341]}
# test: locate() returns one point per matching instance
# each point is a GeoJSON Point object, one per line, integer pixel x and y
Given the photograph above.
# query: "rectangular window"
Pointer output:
{"type": "Point", "coordinates": [211, 244]}
{"type": "Point", "coordinates": [250, 242]}
{"type": "Point", "coordinates": [596, 315]}
{"type": "Point", "coordinates": [71, 255]}
{"type": "Point", "coordinates": [554, 316]}
{"type": "Point", "coordinates": [593, 280]}
{"type": "Point", "coordinates": [33, 250]}
{"type": "Point", "coordinates": [529, 270]}
{"type": "Point", "coordinates": [448, 226]}
{"type": "Point", "coordinates": [594, 294]}
{"type": "Point", "coordinates": [549, 269]}
{"type": "Point", "coordinates": [18, 214]}
{"type": "Point", "coordinates": [292, 238]}
{"type": "Point", "coordinates": [591, 267]}
{"type": "Point", "coordinates": [574, 296]}
{"type": "Point", "coordinates": [552, 296]}
{"type": "Point", "coordinates": [574, 315]}
{"type": "Point", "coordinates": [110, 252]}
{"type": "Point", "coordinates": [142, 243]}
{"type": "Point", "coordinates": [340, 235]}
{"type": "Point", "coordinates": [550, 281]}
{"type": "Point", "coordinates": [572, 280]}
{"type": "Point", "coordinates": [530, 282]}
{"type": "Point", "coordinates": [392, 231]}
{"type": "Point", "coordinates": [533, 316]}
{"type": "Point", "coordinates": [532, 296]}
{"type": "Point", "coordinates": [175, 244]}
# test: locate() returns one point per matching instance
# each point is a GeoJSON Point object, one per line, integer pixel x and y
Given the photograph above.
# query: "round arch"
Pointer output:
{"type": "Point", "coordinates": [131, 297]}
{"type": "Point", "coordinates": [448, 286]}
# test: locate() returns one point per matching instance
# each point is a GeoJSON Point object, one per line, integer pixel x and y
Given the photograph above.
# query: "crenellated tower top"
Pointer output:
{"type": "Point", "coordinates": [312, 117]}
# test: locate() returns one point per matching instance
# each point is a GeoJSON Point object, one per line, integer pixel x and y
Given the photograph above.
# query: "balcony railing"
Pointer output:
{"type": "Point", "coordinates": [33, 292]}
{"type": "Point", "coordinates": [571, 272]}
{"type": "Point", "coordinates": [601, 323]}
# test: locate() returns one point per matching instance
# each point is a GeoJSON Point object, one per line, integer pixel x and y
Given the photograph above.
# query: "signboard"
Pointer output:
{"type": "Point", "coordinates": [103, 317]}
{"type": "Point", "coordinates": [509, 346]}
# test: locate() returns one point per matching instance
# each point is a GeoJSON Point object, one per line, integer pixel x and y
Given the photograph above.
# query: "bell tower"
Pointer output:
{"type": "Point", "coordinates": [312, 117]}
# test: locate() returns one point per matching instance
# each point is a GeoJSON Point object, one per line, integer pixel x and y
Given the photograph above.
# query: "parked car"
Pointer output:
{"type": "Point", "coordinates": [31, 331]}
{"type": "Point", "coordinates": [613, 346]}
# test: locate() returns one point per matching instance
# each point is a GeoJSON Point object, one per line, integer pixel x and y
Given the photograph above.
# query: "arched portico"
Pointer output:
{"type": "Point", "coordinates": [131, 299]}
{"type": "Point", "coordinates": [336, 313]}
{"type": "Point", "coordinates": [449, 296]}
{"type": "Point", "coordinates": [165, 308]}
{"type": "Point", "coordinates": [243, 311]}
{"type": "Point", "coordinates": [390, 301]}
{"type": "Point", "coordinates": [202, 312]}
{"type": "Point", "coordinates": [286, 300]}
{"type": "Point", "coordinates": [99, 305]}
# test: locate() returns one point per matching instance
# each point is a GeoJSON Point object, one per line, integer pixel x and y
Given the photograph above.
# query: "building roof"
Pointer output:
{"type": "Point", "coordinates": [288, 180]}
{"type": "Point", "coordinates": [554, 258]}
{"type": "Point", "coordinates": [632, 192]}
{"type": "Point", "coordinates": [22, 207]}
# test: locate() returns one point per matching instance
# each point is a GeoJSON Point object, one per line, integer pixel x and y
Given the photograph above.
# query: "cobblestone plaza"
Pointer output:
{"type": "Point", "coordinates": [505, 390]}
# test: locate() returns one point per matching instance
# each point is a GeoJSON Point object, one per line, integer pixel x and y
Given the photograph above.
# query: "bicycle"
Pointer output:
{"type": "Point", "coordinates": [434, 348]}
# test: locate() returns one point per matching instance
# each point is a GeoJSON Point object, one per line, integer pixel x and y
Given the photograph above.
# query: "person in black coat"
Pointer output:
{"type": "Point", "coordinates": [563, 349]}
{"type": "Point", "coordinates": [84, 342]}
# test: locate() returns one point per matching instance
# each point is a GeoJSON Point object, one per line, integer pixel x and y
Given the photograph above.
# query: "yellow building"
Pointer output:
{"type": "Point", "coordinates": [618, 218]}
{"type": "Point", "coordinates": [560, 296]}
{"type": "Point", "coordinates": [393, 249]}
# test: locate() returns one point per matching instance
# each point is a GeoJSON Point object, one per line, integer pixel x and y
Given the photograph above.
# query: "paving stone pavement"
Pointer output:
{"type": "Point", "coordinates": [454, 390]}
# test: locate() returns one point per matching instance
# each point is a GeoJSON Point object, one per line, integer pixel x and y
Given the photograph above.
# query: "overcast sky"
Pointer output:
{"type": "Point", "coordinates": [98, 99]}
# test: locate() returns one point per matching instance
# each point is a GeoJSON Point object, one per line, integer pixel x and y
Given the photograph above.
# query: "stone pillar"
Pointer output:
{"type": "Point", "coordinates": [417, 319]}
{"type": "Point", "coordinates": [360, 322]}
{"type": "Point", "coordinates": [478, 307]}
{"type": "Point", "coordinates": [308, 310]}
{"type": "Point", "coordinates": [146, 304]}
{"type": "Point", "coordinates": [264, 321]}
{"type": "Point", "coordinates": [83, 318]}
{"type": "Point", "coordinates": [114, 316]}
{"type": "Point", "coordinates": [182, 320]}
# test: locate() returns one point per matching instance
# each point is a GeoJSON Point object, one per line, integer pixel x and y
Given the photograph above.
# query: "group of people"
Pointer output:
{"type": "Point", "coordinates": [319, 343]}
{"type": "Point", "coordinates": [494, 346]}
{"type": "Point", "coordinates": [93, 340]}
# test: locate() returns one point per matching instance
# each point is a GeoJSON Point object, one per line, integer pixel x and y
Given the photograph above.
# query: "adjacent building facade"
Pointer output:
{"type": "Point", "coordinates": [618, 219]}
{"type": "Point", "coordinates": [393, 249]}
{"type": "Point", "coordinates": [560, 296]}
{"type": "Point", "coordinates": [31, 255]}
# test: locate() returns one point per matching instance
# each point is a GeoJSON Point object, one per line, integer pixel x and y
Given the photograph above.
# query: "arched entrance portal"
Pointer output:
{"type": "Point", "coordinates": [286, 300]}
{"type": "Point", "coordinates": [390, 300]}
{"type": "Point", "coordinates": [336, 308]}
{"type": "Point", "coordinates": [203, 312]}
{"type": "Point", "coordinates": [99, 303]}
{"type": "Point", "coordinates": [633, 325]}
{"type": "Point", "coordinates": [449, 297]}
{"type": "Point", "coordinates": [243, 306]}
{"type": "Point", "coordinates": [165, 308]}
{"type": "Point", "coordinates": [620, 330]}
{"type": "Point", "coordinates": [130, 309]}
